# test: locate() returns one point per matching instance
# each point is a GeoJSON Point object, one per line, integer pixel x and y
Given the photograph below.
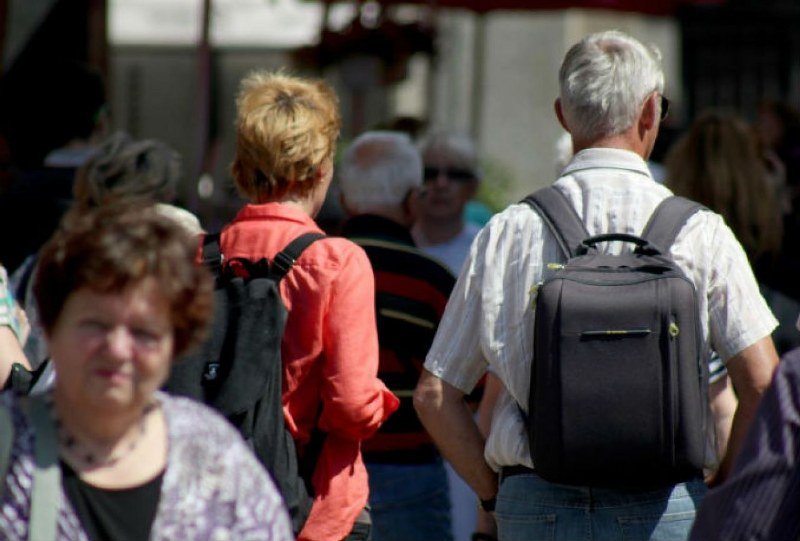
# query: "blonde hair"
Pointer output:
{"type": "Point", "coordinates": [286, 128]}
{"type": "Point", "coordinates": [719, 164]}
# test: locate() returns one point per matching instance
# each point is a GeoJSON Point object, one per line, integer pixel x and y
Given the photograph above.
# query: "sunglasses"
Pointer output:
{"type": "Point", "coordinates": [455, 174]}
{"type": "Point", "coordinates": [664, 107]}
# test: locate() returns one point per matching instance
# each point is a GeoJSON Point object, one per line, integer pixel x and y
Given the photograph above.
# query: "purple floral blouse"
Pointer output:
{"type": "Point", "coordinates": [214, 489]}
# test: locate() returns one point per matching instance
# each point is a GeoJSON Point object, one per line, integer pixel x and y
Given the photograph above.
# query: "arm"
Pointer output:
{"type": "Point", "coordinates": [355, 401]}
{"type": "Point", "coordinates": [485, 521]}
{"type": "Point", "coordinates": [448, 420]}
{"type": "Point", "coordinates": [10, 353]}
{"type": "Point", "coordinates": [12, 319]}
{"type": "Point", "coordinates": [723, 408]}
{"type": "Point", "coordinates": [751, 371]}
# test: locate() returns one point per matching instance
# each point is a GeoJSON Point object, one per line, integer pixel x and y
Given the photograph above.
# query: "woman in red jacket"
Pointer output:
{"type": "Point", "coordinates": [287, 129]}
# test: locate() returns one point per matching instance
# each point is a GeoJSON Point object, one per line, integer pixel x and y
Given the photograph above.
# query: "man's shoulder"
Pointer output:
{"type": "Point", "coordinates": [398, 259]}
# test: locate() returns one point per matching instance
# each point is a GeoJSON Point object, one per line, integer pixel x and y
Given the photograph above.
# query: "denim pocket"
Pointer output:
{"type": "Point", "coordinates": [526, 527]}
{"type": "Point", "coordinates": [666, 527]}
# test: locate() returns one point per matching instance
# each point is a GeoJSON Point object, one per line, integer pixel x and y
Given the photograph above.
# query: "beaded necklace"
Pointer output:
{"type": "Point", "coordinates": [74, 447]}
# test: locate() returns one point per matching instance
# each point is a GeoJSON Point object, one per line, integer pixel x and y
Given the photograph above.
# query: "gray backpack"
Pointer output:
{"type": "Point", "coordinates": [619, 391]}
{"type": "Point", "coordinates": [46, 489]}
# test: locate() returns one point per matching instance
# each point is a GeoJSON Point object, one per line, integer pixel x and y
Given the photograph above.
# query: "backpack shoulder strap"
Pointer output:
{"type": "Point", "coordinates": [212, 253]}
{"type": "Point", "coordinates": [667, 221]}
{"type": "Point", "coordinates": [47, 475]}
{"type": "Point", "coordinates": [25, 284]}
{"type": "Point", "coordinates": [6, 443]}
{"type": "Point", "coordinates": [560, 216]}
{"type": "Point", "coordinates": [283, 260]}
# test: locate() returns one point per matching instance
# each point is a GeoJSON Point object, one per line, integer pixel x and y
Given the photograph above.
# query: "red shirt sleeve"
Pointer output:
{"type": "Point", "coordinates": [355, 402]}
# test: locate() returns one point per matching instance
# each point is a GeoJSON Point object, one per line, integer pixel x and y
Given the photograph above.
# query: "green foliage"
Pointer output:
{"type": "Point", "coordinates": [494, 188]}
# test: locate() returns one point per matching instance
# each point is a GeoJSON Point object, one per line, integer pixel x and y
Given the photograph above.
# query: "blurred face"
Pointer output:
{"type": "Point", "coordinates": [447, 187]}
{"type": "Point", "coordinates": [112, 350]}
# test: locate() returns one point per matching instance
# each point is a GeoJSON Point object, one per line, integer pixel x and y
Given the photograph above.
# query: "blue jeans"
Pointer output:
{"type": "Point", "coordinates": [532, 509]}
{"type": "Point", "coordinates": [409, 502]}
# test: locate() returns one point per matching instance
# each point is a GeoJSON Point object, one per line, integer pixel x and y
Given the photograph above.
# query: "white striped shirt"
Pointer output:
{"type": "Point", "coordinates": [489, 317]}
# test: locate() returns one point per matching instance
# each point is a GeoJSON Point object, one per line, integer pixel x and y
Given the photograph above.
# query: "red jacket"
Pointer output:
{"type": "Point", "coordinates": [330, 355]}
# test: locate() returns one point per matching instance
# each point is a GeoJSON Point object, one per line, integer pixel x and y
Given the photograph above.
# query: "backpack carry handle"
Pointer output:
{"type": "Point", "coordinates": [642, 245]}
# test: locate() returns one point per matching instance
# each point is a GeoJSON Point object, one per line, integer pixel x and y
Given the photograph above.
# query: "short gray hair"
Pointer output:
{"type": "Point", "coordinates": [379, 168]}
{"type": "Point", "coordinates": [456, 148]}
{"type": "Point", "coordinates": [604, 79]}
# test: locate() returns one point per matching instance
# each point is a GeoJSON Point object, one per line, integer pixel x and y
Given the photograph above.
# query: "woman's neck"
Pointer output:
{"type": "Point", "coordinates": [304, 204]}
{"type": "Point", "coordinates": [93, 427]}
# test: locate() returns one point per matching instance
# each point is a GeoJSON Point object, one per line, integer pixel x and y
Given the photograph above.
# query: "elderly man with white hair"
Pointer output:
{"type": "Point", "coordinates": [379, 176]}
{"type": "Point", "coordinates": [611, 101]}
{"type": "Point", "coordinates": [451, 176]}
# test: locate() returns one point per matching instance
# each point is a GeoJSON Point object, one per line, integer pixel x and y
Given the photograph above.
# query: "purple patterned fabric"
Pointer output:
{"type": "Point", "coordinates": [214, 489]}
{"type": "Point", "coordinates": [759, 501]}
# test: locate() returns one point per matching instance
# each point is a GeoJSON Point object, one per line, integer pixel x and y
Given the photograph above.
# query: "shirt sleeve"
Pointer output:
{"type": "Point", "coordinates": [738, 314]}
{"type": "Point", "coordinates": [355, 401]}
{"type": "Point", "coordinates": [489, 317]}
{"type": "Point", "coordinates": [455, 354]}
{"type": "Point", "coordinates": [759, 499]}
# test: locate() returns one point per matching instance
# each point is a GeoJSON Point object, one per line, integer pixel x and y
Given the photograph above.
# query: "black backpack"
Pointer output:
{"type": "Point", "coordinates": [238, 369]}
{"type": "Point", "coordinates": [619, 391]}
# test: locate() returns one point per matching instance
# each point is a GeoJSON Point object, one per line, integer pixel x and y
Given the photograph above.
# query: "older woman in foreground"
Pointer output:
{"type": "Point", "coordinates": [119, 298]}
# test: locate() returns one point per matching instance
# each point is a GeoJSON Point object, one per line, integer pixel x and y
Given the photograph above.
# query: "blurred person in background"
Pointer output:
{"type": "Point", "coordinates": [451, 176]}
{"type": "Point", "coordinates": [379, 175]}
{"type": "Point", "coordinates": [53, 115]}
{"type": "Point", "coordinates": [778, 127]}
{"type": "Point", "coordinates": [718, 163]}
{"type": "Point", "coordinates": [287, 128]}
{"type": "Point", "coordinates": [120, 297]}
{"type": "Point", "coordinates": [120, 169]}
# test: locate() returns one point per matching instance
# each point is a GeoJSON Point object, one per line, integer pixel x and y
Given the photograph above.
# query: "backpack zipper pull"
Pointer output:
{"type": "Point", "coordinates": [673, 329]}
{"type": "Point", "coordinates": [534, 292]}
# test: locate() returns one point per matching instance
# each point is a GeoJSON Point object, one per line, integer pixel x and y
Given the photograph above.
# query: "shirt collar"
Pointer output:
{"type": "Point", "coordinates": [273, 210]}
{"type": "Point", "coordinates": [376, 227]}
{"type": "Point", "coordinates": [607, 158]}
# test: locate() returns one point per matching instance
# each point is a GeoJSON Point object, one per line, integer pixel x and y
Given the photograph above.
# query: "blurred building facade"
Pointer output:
{"type": "Point", "coordinates": [493, 75]}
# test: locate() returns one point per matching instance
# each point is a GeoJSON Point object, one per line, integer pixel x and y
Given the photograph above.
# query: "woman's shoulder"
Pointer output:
{"type": "Point", "coordinates": [211, 468]}
{"type": "Point", "coordinates": [334, 253]}
{"type": "Point", "coordinates": [189, 418]}
{"type": "Point", "coordinates": [201, 439]}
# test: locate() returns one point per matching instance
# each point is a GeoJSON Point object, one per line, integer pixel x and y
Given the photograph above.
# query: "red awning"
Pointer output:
{"type": "Point", "coordinates": [651, 7]}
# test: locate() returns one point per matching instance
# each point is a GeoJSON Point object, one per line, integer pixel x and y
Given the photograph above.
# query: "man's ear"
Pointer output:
{"type": "Point", "coordinates": [560, 114]}
{"type": "Point", "coordinates": [650, 112]}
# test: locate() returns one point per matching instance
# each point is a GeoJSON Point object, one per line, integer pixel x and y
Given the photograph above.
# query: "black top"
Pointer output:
{"type": "Point", "coordinates": [411, 291]}
{"type": "Point", "coordinates": [111, 514]}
